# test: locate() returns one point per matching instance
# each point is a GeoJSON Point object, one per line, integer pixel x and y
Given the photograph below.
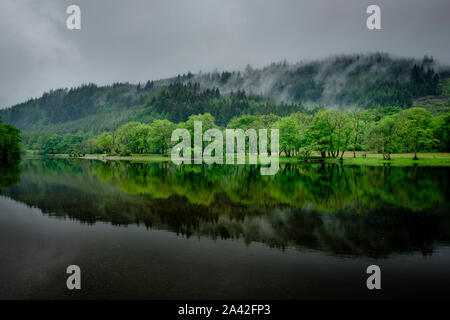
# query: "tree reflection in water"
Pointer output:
{"type": "Point", "coordinates": [343, 210]}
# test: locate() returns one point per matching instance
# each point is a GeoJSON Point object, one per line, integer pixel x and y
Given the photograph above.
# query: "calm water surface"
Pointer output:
{"type": "Point", "coordinates": [160, 231]}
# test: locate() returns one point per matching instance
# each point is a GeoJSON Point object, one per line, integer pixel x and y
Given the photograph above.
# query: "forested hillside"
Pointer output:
{"type": "Point", "coordinates": [376, 81]}
{"type": "Point", "coordinates": [365, 80]}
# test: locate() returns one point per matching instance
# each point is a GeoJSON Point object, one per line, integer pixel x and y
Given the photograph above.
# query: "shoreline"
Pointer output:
{"type": "Point", "coordinates": [425, 159]}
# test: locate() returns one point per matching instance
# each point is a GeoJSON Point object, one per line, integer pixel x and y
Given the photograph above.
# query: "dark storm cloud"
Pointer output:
{"type": "Point", "coordinates": [137, 40]}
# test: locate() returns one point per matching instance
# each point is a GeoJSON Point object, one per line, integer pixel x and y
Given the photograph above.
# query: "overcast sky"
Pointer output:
{"type": "Point", "coordinates": [138, 40]}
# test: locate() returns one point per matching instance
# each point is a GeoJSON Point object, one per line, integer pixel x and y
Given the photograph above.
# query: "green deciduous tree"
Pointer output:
{"type": "Point", "coordinates": [104, 142]}
{"type": "Point", "coordinates": [10, 147]}
{"type": "Point", "coordinates": [160, 135]}
{"type": "Point", "coordinates": [289, 138]}
{"type": "Point", "coordinates": [322, 132]}
{"type": "Point", "coordinates": [382, 135]}
{"type": "Point", "coordinates": [415, 129]}
{"type": "Point", "coordinates": [51, 144]}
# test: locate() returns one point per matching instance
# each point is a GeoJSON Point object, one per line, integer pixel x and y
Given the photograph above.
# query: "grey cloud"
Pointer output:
{"type": "Point", "coordinates": [137, 40]}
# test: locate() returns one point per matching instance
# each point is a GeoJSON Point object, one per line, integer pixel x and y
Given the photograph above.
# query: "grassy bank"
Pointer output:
{"type": "Point", "coordinates": [370, 159]}
{"type": "Point", "coordinates": [397, 159]}
{"type": "Point", "coordinates": [400, 161]}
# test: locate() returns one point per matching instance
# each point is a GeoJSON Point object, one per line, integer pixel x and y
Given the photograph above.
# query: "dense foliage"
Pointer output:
{"type": "Point", "coordinates": [179, 101]}
{"type": "Point", "coordinates": [330, 132]}
{"type": "Point", "coordinates": [367, 81]}
{"type": "Point", "coordinates": [364, 80]}
{"type": "Point", "coordinates": [360, 89]}
{"type": "Point", "coordinates": [10, 148]}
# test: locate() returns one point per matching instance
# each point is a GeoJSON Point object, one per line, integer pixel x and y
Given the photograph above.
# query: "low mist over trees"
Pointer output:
{"type": "Point", "coordinates": [367, 81]}
{"type": "Point", "coordinates": [330, 132]}
{"type": "Point", "coordinates": [340, 104]}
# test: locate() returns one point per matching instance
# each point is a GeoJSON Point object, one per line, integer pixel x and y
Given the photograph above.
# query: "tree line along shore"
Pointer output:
{"type": "Point", "coordinates": [326, 134]}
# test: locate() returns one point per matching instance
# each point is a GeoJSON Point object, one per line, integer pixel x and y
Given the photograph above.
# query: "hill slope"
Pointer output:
{"type": "Point", "coordinates": [364, 80]}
